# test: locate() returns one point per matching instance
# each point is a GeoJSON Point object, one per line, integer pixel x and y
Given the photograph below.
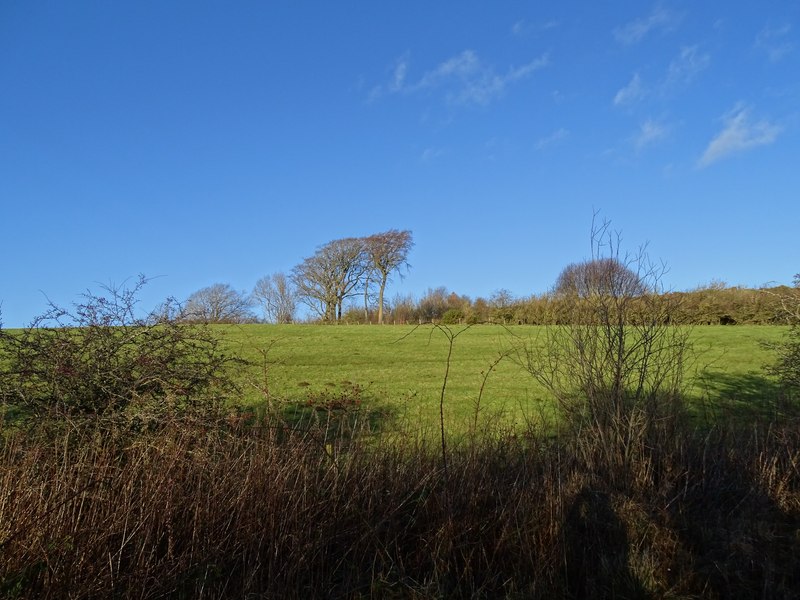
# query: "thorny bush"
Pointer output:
{"type": "Point", "coordinates": [787, 365]}
{"type": "Point", "coordinates": [101, 357]}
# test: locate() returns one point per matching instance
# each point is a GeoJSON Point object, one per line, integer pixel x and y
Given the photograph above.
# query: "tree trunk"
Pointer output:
{"type": "Point", "coordinates": [366, 301]}
{"type": "Point", "coordinates": [380, 298]}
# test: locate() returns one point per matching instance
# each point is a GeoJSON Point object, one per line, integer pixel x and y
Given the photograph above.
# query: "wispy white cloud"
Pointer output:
{"type": "Point", "coordinates": [650, 132]}
{"type": "Point", "coordinates": [739, 133]}
{"type": "Point", "coordinates": [464, 78]}
{"type": "Point", "coordinates": [687, 65]}
{"type": "Point", "coordinates": [469, 80]}
{"type": "Point", "coordinates": [396, 82]}
{"type": "Point", "coordinates": [399, 75]}
{"type": "Point", "coordinates": [375, 93]}
{"type": "Point", "coordinates": [660, 19]}
{"type": "Point", "coordinates": [464, 67]}
{"type": "Point", "coordinates": [554, 138]}
{"type": "Point", "coordinates": [632, 92]}
{"type": "Point", "coordinates": [430, 154]}
{"type": "Point", "coordinates": [523, 27]}
{"type": "Point", "coordinates": [775, 41]}
{"type": "Point", "coordinates": [681, 71]}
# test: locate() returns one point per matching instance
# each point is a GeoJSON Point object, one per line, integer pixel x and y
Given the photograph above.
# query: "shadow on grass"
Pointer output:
{"type": "Point", "coordinates": [339, 412]}
{"type": "Point", "coordinates": [10, 414]}
{"type": "Point", "coordinates": [744, 396]}
{"type": "Point", "coordinates": [740, 533]}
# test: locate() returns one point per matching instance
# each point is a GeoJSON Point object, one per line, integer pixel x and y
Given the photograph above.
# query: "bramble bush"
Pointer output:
{"type": "Point", "coordinates": [787, 366]}
{"type": "Point", "coordinates": [102, 357]}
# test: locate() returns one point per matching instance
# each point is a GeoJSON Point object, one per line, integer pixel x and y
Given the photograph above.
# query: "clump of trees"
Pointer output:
{"type": "Point", "coordinates": [340, 275]}
{"type": "Point", "coordinates": [351, 267]}
{"type": "Point", "coordinates": [332, 275]}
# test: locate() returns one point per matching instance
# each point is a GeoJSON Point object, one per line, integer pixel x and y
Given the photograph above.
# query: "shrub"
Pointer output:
{"type": "Point", "coordinates": [787, 365]}
{"type": "Point", "coordinates": [616, 367]}
{"type": "Point", "coordinates": [100, 357]}
{"type": "Point", "coordinates": [453, 316]}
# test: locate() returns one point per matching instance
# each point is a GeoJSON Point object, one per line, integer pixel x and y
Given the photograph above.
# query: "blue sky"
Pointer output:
{"type": "Point", "coordinates": [204, 142]}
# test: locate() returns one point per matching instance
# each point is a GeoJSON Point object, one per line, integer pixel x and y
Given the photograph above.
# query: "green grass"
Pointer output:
{"type": "Point", "coordinates": [730, 376]}
{"type": "Point", "coordinates": [403, 367]}
{"type": "Point", "coordinates": [399, 366]}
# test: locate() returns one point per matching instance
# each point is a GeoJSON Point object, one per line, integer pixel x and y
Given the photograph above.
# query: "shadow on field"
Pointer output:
{"type": "Point", "coordinates": [743, 396]}
{"type": "Point", "coordinates": [740, 535]}
{"type": "Point", "coordinates": [340, 412]}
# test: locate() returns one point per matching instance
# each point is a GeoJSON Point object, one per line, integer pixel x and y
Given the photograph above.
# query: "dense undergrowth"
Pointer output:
{"type": "Point", "coordinates": [198, 507]}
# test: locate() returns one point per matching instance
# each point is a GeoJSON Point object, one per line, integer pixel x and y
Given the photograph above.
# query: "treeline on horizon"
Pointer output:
{"type": "Point", "coordinates": [715, 304]}
{"type": "Point", "coordinates": [712, 304]}
{"type": "Point", "coordinates": [345, 281]}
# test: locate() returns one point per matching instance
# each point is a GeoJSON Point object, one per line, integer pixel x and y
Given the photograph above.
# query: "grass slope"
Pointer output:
{"type": "Point", "coordinates": [403, 367]}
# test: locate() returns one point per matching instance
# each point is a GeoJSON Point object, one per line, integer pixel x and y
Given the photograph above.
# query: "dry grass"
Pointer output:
{"type": "Point", "coordinates": [199, 508]}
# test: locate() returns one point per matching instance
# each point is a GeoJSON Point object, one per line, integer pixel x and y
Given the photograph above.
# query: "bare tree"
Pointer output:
{"type": "Point", "coordinates": [433, 304]}
{"type": "Point", "coordinates": [277, 297]}
{"type": "Point", "coordinates": [314, 286]}
{"type": "Point", "coordinates": [335, 272]}
{"type": "Point", "coordinates": [601, 275]}
{"type": "Point", "coordinates": [387, 252]}
{"type": "Point", "coordinates": [502, 304]}
{"type": "Point", "coordinates": [402, 308]}
{"type": "Point", "coordinates": [218, 303]}
{"type": "Point", "coordinates": [479, 311]}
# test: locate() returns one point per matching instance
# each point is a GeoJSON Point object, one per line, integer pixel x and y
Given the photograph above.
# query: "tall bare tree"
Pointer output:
{"type": "Point", "coordinates": [335, 272]}
{"type": "Point", "coordinates": [314, 286]}
{"type": "Point", "coordinates": [218, 303]}
{"type": "Point", "coordinates": [351, 267]}
{"type": "Point", "coordinates": [386, 252]}
{"type": "Point", "coordinates": [277, 297]}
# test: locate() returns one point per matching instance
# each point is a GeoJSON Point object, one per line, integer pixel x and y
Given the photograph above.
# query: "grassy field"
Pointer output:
{"type": "Point", "coordinates": [199, 504]}
{"type": "Point", "coordinates": [402, 367]}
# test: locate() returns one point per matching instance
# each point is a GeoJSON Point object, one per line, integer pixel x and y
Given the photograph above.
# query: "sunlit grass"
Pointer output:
{"type": "Point", "coordinates": [404, 366]}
